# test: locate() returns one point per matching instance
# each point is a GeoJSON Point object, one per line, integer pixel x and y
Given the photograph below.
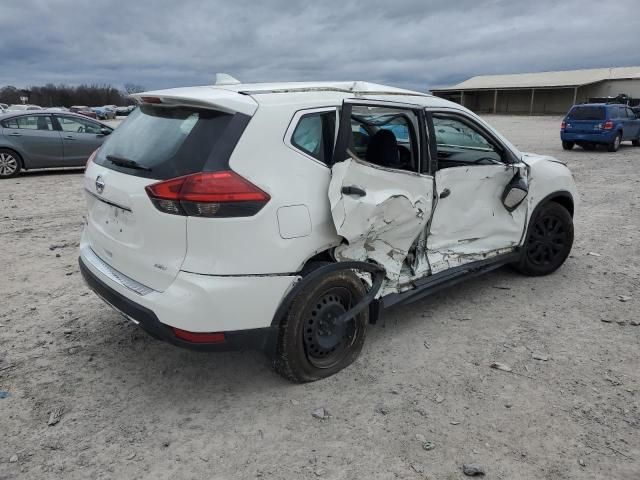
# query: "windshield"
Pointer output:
{"type": "Point", "coordinates": [167, 142]}
{"type": "Point", "coordinates": [587, 113]}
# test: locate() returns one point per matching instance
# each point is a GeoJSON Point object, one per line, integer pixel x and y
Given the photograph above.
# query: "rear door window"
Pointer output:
{"type": "Point", "coordinates": [166, 142]}
{"type": "Point", "coordinates": [36, 122]}
{"type": "Point", "coordinates": [587, 113]}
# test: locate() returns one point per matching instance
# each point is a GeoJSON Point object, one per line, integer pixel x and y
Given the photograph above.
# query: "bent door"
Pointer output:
{"type": "Point", "coordinates": [380, 200]}
{"type": "Point", "coordinates": [470, 221]}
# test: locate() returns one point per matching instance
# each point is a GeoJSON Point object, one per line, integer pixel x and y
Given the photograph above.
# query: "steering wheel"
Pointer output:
{"type": "Point", "coordinates": [80, 129]}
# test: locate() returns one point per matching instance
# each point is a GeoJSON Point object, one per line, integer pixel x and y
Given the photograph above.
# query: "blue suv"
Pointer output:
{"type": "Point", "coordinates": [590, 124]}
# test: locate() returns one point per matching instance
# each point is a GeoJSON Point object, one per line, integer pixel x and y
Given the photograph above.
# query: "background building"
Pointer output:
{"type": "Point", "coordinates": [542, 93]}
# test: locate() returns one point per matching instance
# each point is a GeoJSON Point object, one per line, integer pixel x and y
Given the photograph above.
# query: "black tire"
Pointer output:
{"type": "Point", "coordinates": [615, 145]}
{"type": "Point", "coordinates": [567, 145]}
{"type": "Point", "coordinates": [549, 240]}
{"type": "Point", "coordinates": [636, 142]}
{"type": "Point", "coordinates": [10, 163]}
{"type": "Point", "coordinates": [310, 346]}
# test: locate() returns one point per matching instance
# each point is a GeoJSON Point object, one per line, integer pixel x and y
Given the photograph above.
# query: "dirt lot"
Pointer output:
{"type": "Point", "coordinates": [137, 408]}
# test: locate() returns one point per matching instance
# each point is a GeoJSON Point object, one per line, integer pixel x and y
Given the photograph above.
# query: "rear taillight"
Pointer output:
{"type": "Point", "coordinates": [608, 125]}
{"type": "Point", "coordinates": [208, 194]}
{"type": "Point", "coordinates": [563, 125]}
{"type": "Point", "coordinates": [91, 157]}
{"type": "Point", "coordinates": [199, 337]}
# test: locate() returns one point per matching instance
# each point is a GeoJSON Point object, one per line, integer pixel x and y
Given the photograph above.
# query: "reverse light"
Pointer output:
{"type": "Point", "coordinates": [199, 337]}
{"type": "Point", "coordinates": [563, 125]}
{"type": "Point", "coordinates": [208, 194]}
{"type": "Point", "coordinates": [608, 125]}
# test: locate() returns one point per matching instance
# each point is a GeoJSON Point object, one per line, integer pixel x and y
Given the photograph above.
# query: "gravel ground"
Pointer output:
{"type": "Point", "coordinates": [421, 400]}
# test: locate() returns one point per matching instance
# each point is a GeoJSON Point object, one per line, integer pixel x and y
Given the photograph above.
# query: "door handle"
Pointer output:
{"type": "Point", "coordinates": [69, 137]}
{"type": "Point", "coordinates": [14, 134]}
{"type": "Point", "coordinates": [353, 190]}
{"type": "Point", "coordinates": [445, 193]}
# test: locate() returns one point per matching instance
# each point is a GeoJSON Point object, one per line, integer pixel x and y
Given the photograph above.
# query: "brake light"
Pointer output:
{"type": "Point", "coordinates": [151, 99]}
{"type": "Point", "coordinates": [199, 337]}
{"type": "Point", "coordinates": [91, 157]}
{"type": "Point", "coordinates": [208, 194]}
{"type": "Point", "coordinates": [608, 125]}
{"type": "Point", "coordinates": [563, 125]}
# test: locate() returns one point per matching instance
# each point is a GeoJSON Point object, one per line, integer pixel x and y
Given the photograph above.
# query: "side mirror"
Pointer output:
{"type": "Point", "coordinates": [515, 192]}
{"type": "Point", "coordinates": [104, 131]}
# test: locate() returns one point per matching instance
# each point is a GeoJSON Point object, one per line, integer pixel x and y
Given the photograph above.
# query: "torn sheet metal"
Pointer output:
{"type": "Point", "coordinates": [384, 223]}
{"type": "Point", "coordinates": [471, 223]}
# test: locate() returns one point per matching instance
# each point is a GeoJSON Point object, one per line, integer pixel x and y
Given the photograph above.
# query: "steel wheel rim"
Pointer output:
{"type": "Point", "coordinates": [8, 164]}
{"type": "Point", "coordinates": [547, 240]}
{"type": "Point", "coordinates": [327, 343]}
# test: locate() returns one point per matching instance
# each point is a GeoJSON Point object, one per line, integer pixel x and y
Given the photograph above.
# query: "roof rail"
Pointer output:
{"type": "Point", "coordinates": [357, 88]}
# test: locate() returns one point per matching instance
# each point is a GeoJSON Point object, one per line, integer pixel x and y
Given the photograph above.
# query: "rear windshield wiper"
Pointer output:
{"type": "Point", "coordinates": [125, 162]}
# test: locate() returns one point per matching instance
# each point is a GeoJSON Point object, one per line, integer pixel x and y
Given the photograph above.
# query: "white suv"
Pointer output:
{"type": "Point", "coordinates": [286, 216]}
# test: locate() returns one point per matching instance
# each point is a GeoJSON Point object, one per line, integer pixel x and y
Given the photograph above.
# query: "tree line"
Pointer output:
{"type": "Point", "coordinates": [51, 95]}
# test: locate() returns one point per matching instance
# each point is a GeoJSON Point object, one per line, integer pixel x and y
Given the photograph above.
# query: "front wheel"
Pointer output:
{"type": "Point", "coordinates": [549, 240]}
{"type": "Point", "coordinates": [311, 344]}
{"type": "Point", "coordinates": [615, 145]}
{"type": "Point", "coordinates": [567, 145]}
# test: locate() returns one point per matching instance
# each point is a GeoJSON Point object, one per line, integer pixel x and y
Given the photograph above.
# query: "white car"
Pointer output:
{"type": "Point", "coordinates": [287, 216]}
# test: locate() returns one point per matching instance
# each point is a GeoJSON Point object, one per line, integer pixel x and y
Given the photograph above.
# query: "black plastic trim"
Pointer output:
{"type": "Point", "coordinates": [434, 283]}
{"type": "Point", "coordinates": [255, 339]}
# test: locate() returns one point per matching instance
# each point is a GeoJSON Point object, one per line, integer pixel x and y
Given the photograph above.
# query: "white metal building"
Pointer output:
{"type": "Point", "coordinates": [542, 93]}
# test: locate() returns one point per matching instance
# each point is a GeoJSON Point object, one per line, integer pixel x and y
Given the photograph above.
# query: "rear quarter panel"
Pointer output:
{"type": "Point", "coordinates": [254, 245]}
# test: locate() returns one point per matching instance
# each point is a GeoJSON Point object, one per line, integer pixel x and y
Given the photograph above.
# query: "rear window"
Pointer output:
{"type": "Point", "coordinates": [587, 113]}
{"type": "Point", "coordinates": [168, 142]}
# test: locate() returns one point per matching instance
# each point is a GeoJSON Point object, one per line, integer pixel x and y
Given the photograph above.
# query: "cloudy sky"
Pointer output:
{"type": "Point", "coordinates": [413, 43]}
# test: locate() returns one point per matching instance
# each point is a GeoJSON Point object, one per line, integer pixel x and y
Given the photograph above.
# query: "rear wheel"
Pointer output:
{"type": "Point", "coordinates": [615, 145]}
{"type": "Point", "coordinates": [636, 142]}
{"type": "Point", "coordinates": [9, 163]}
{"type": "Point", "coordinates": [311, 344]}
{"type": "Point", "coordinates": [567, 145]}
{"type": "Point", "coordinates": [549, 240]}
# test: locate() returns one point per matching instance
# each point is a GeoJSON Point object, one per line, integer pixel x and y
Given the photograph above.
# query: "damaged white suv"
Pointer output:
{"type": "Point", "coordinates": [287, 216]}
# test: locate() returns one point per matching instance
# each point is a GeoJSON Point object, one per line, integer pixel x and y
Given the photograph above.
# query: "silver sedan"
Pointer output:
{"type": "Point", "coordinates": [42, 139]}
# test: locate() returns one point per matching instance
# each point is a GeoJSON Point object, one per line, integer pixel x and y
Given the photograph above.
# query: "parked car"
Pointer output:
{"type": "Point", "coordinates": [104, 113]}
{"type": "Point", "coordinates": [4, 106]}
{"type": "Point", "coordinates": [43, 139]}
{"type": "Point", "coordinates": [592, 124]}
{"type": "Point", "coordinates": [124, 111]}
{"type": "Point", "coordinates": [21, 108]}
{"type": "Point", "coordinates": [241, 215]}
{"type": "Point", "coordinates": [83, 110]}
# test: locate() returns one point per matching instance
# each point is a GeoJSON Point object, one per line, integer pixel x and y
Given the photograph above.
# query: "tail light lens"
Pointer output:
{"type": "Point", "coordinates": [91, 157]}
{"type": "Point", "coordinates": [563, 125]}
{"type": "Point", "coordinates": [608, 125]}
{"type": "Point", "coordinates": [208, 194]}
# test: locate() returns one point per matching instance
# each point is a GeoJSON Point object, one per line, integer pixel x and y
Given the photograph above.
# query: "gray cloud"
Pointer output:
{"type": "Point", "coordinates": [412, 43]}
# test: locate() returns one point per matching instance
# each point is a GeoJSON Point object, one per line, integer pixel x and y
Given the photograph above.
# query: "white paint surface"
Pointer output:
{"type": "Point", "coordinates": [382, 225]}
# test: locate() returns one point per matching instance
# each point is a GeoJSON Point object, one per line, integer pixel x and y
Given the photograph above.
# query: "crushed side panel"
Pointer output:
{"type": "Point", "coordinates": [382, 225]}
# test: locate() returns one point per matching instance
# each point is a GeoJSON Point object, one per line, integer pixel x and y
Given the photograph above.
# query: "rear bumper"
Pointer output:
{"type": "Point", "coordinates": [605, 137]}
{"type": "Point", "coordinates": [190, 307]}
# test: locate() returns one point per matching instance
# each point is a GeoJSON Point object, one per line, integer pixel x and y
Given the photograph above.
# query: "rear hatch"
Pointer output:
{"type": "Point", "coordinates": [585, 119]}
{"type": "Point", "coordinates": [157, 142]}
